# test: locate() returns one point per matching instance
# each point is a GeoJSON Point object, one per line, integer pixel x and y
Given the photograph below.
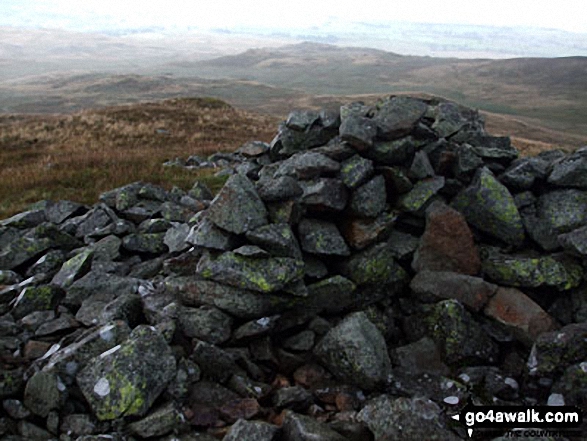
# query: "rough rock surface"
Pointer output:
{"type": "Point", "coordinates": [362, 277]}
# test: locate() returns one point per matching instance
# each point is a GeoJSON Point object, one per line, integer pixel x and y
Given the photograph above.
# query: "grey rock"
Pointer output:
{"type": "Point", "coordinates": [74, 268]}
{"type": "Point", "coordinates": [205, 323]}
{"type": "Point", "coordinates": [493, 147]}
{"type": "Point", "coordinates": [370, 199]}
{"type": "Point", "coordinates": [176, 238]}
{"type": "Point", "coordinates": [331, 295]}
{"type": "Point", "coordinates": [421, 194]}
{"type": "Point", "coordinates": [398, 116]}
{"type": "Point", "coordinates": [473, 292]}
{"type": "Point", "coordinates": [461, 339]}
{"type": "Point", "coordinates": [402, 245]}
{"type": "Point", "coordinates": [145, 243]}
{"type": "Point", "coordinates": [374, 266]}
{"type": "Point", "coordinates": [154, 226]}
{"type": "Point", "coordinates": [301, 120]}
{"type": "Point", "coordinates": [126, 380]}
{"type": "Point", "coordinates": [295, 398]}
{"type": "Point", "coordinates": [102, 308]}
{"type": "Point", "coordinates": [572, 385]}
{"type": "Point", "coordinates": [421, 357]}
{"type": "Point", "coordinates": [304, 341]}
{"type": "Point", "coordinates": [298, 427]}
{"type": "Point", "coordinates": [575, 242]}
{"type": "Point", "coordinates": [8, 277]}
{"type": "Point", "coordinates": [244, 430]}
{"type": "Point", "coordinates": [256, 328]}
{"type": "Point", "coordinates": [554, 271]}
{"type": "Point", "coordinates": [324, 194]}
{"type": "Point", "coordinates": [253, 149]}
{"type": "Point", "coordinates": [570, 171]}
{"type": "Point", "coordinates": [356, 171]}
{"type": "Point", "coordinates": [200, 192]}
{"type": "Point", "coordinates": [466, 163]}
{"type": "Point", "coordinates": [257, 274]}
{"type": "Point", "coordinates": [67, 361]}
{"type": "Point", "coordinates": [78, 424]}
{"type": "Point", "coordinates": [15, 409]}
{"type": "Point", "coordinates": [35, 298]}
{"type": "Point", "coordinates": [95, 282]}
{"type": "Point", "coordinates": [158, 422]}
{"type": "Point", "coordinates": [42, 394]}
{"type": "Point", "coordinates": [307, 165]}
{"type": "Point", "coordinates": [237, 302]}
{"type": "Point", "coordinates": [95, 219]}
{"type": "Point", "coordinates": [11, 382]}
{"type": "Point", "coordinates": [278, 239]}
{"type": "Point", "coordinates": [489, 206]}
{"type": "Point", "coordinates": [321, 237]}
{"type": "Point", "coordinates": [237, 208]}
{"type": "Point", "coordinates": [173, 212]}
{"type": "Point", "coordinates": [450, 118]}
{"type": "Point", "coordinates": [554, 351]}
{"type": "Point", "coordinates": [106, 249]}
{"type": "Point", "coordinates": [358, 131]}
{"type": "Point", "coordinates": [421, 167]}
{"type": "Point", "coordinates": [207, 235]}
{"type": "Point", "coordinates": [557, 212]}
{"type": "Point", "coordinates": [25, 220]}
{"type": "Point", "coordinates": [64, 323]}
{"type": "Point", "coordinates": [405, 419]}
{"type": "Point", "coordinates": [216, 363]}
{"type": "Point", "coordinates": [278, 189]}
{"type": "Point", "coordinates": [398, 152]}
{"type": "Point", "coordinates": [355, 352]}
{"type": "Point", "coordinates": [33, 244]}
{"type": "Point", "coordinates": [58, 212]}
{"type": "Point", "coordinates": [523, 173]}
{"type": "Point", "coordinates": [251, 251]}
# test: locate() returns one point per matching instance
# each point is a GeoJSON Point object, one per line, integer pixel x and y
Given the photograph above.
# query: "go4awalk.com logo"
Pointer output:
{"type": "Point", "coordinates": [535, 419]}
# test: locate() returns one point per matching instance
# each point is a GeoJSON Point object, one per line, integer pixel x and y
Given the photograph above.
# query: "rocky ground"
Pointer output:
{"type": "Point", "coordinates": [363, 277]}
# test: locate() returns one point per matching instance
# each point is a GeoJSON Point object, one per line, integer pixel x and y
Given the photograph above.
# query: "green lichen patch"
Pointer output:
{"type": "Point", "coordinates": [252, 273]}
{"type": "Point", "coordinates": [488, 205]}
{"type": "Point", "coordinates": [555, 271]}
{"type": "Point", "coordinates": [374, 266]}
{"type": "Point", "coordinates": [127, 379]}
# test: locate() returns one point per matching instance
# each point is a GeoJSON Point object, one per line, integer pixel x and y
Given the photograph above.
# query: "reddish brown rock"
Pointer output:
{"type": "Point", "coordinates": [310, 375]}
{"type": "Point", "coordinates": [360, 233]}
{"type": "Point", "coordinates": [520, 313]}
{"type": "Point", "coordinates": [234, 410]}
{"type": "Point", "coordinates": [447, 243]}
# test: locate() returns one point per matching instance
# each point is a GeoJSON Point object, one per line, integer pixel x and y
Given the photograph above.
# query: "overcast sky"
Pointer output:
{"type": "Point", "coordinates": [96, 15]}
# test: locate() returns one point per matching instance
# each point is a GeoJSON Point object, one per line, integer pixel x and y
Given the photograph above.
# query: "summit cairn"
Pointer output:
{"type": "Point", "coordinates": [363, 276]}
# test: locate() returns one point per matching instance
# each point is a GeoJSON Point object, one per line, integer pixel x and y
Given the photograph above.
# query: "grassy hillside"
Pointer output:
{"type": "Point", "coordinates": [78, 156]}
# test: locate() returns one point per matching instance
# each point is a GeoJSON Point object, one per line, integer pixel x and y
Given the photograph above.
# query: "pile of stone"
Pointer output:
{"type": "Point", "coordinates": [363, 277]}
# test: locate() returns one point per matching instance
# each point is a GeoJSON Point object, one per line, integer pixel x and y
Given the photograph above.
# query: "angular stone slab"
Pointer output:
{"type": "Point", "coordinates": [324, 194]}
{"type": "Point", "coordinates": [237, 302]}
{"type": "Point", "coordinates": [520, 313]}
{"type": "Point", "coordinates": [278, 239]}
{"type": "Point", "coordinates": [360, 233]}
{"type": "Point", "coordinates": [489, 206]}
{"type": "Point", "coordinates": [73, 269]}
{"type": "Point", "coordinates": [256, 274]}
{"type": "Point", "coordinates": [571, 171]}
{"type": "Point", "coordinates": [207, 235]}
{"type": "Point", "coordinates": [447, 243]}
{"type": "Point", "coordinates": [370, 199]}
{"type": "Point", "coordinates": [358, 131]}
{"type": "Point", "coordinates": [355, 352]}
{"type": "Point", "coordinates": [298, 427]}
{"type": "Point", "coordinates": [398, 116]}
{"type": "Point", "coordinates": [127, 379]}
{"type": "Point", "coordinates": [374, 266]}
{"type": "Point", "coordinates": [461, 339]}
{"type": "Point", "coordinates": [555, 271]}
{"type": "Point", "coordinates": [244, 430]}
{"type": "Point", "coordinates": [307, 165]}
{"type": "Point", "coordinates": [554, 351]}
{"type": "Point", "coordinates": [321, 237]}
{"type": "Point", "coordinates": [237, 208]}
{"type": "Point", "coordinates": [356, 171]}
{"type": "Point", "coordinates": [421, 194]}
{"type": "Point", "coordinates": [472, 292]}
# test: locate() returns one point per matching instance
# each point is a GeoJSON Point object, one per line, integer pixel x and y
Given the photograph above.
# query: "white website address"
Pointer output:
{"type": "Point", "coordinates": [527, 416]}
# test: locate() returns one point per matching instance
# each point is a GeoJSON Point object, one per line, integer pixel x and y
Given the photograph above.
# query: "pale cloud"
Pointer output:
{"type": "Point", "coordinates": [100, 14]}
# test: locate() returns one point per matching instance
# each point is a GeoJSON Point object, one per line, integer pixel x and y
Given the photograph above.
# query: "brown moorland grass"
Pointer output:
{"type": "Point", "coordinates": [79, 156]}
